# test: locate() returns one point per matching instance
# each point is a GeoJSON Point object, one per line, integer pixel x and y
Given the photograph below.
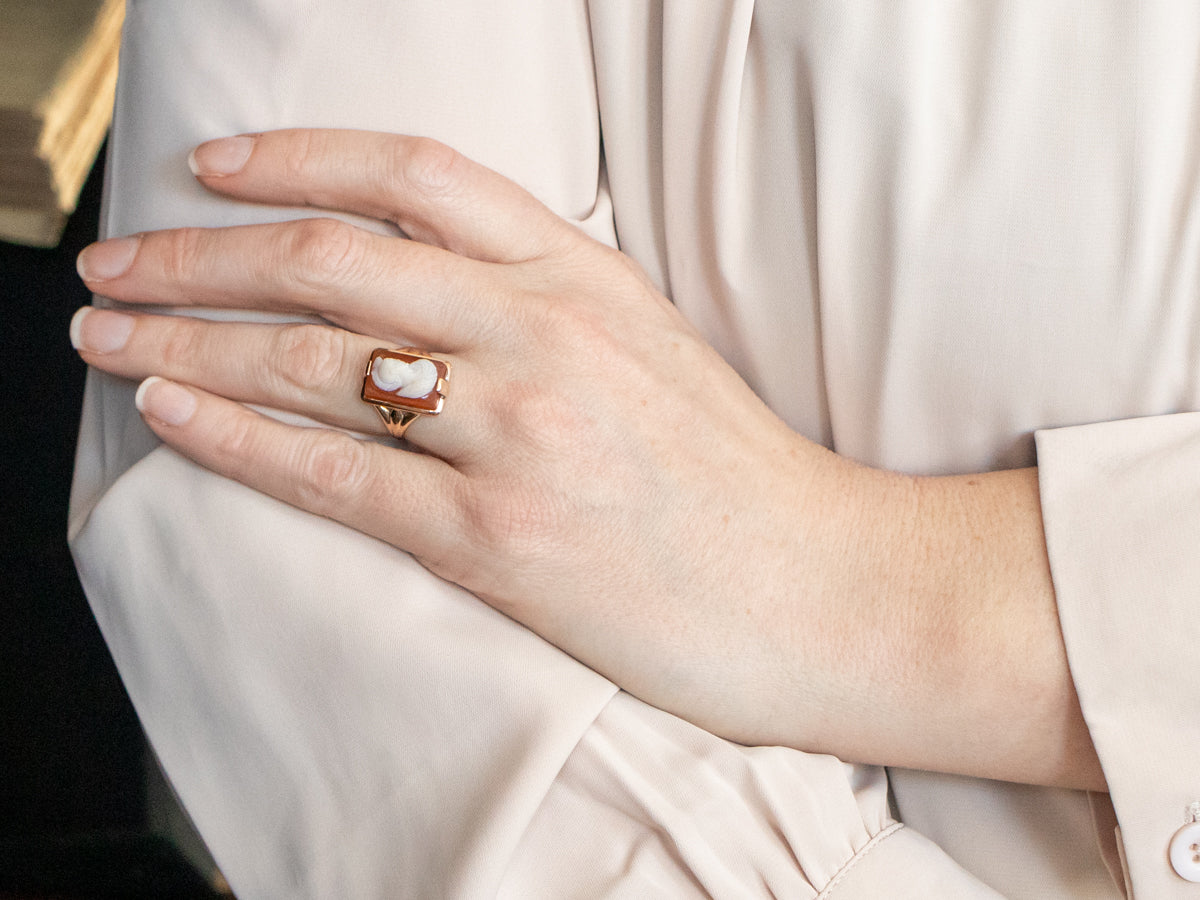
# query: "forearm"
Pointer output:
{"type": "Point", "coordinates": [1005, 682]}
{"type": "Point", "coordinates": [944, 640]}
{"type": "Point", "coordinates": [719, 567]}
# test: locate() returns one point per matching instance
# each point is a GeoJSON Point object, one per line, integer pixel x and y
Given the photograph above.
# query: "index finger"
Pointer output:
{"type": "Point", "coordinates": [433, 193]}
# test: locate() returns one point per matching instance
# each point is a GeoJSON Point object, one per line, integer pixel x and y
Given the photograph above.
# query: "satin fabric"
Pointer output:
{"type": "Point", "coordinates": [922, 231]}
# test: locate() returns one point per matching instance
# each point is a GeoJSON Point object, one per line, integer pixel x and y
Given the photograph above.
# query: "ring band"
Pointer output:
{"type": "Point", "coordinates": [403, 385]}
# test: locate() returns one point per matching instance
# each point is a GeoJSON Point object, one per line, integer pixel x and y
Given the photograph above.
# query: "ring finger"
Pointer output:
{"type": "Point", "coordinates": [314, 370]}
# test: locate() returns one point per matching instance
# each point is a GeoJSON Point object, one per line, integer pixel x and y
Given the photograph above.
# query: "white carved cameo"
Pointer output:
{"type": "Point", "coordinates": [415, 379]}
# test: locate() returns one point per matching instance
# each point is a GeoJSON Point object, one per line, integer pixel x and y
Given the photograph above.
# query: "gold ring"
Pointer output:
{"type": "Point", "coordinates": [403, 385]}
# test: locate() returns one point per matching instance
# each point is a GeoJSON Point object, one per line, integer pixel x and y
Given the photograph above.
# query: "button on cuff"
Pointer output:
{"type": "Point", "coordinates": [1185, 852]}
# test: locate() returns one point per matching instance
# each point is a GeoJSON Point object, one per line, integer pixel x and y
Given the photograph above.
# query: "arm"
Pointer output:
{"type": "Point", "coordinates": [766, 589]}
{"type": "Point", "coordinates": [969, 673]}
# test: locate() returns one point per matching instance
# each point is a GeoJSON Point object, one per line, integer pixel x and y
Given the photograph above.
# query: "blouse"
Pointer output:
{"type": "Point", "coordinates": [936, 237]}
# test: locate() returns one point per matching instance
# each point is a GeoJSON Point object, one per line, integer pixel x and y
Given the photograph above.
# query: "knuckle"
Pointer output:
{"type": "Point", "coordinates": [180, 345]}
{"type": "Point", "coordinates": [428, 168]}
{"type": "Point", "coordinates": [520, 404]}
{"type": "Point", "coordinates": [513, 523]}
{"type": "Point", "coordinates": [304, 153]}
{"type": "Point", "coordinates": [309, 357]}
{"type": "Point", "coordinates": [323, 251]}
{"type": "Point", "coordinates": [545, 420]}
{"type": "Point", "coordinates": [182, 254]}
{"type": "Point", "coordinates": [624, 267]}
{"type": "Point", "coordinates": [237, 442]}
{"type": "Point", "coordinates": [575, 328]}
{"type": "Point", "coordinates": [333, 468]}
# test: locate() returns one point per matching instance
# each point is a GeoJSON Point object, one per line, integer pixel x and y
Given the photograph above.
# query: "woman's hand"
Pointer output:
{"type": "Point", "coordinates": [598, 472]}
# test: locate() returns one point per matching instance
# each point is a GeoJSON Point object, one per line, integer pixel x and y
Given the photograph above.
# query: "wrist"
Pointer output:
{"type": "Point", "coordinates": [938, 642]}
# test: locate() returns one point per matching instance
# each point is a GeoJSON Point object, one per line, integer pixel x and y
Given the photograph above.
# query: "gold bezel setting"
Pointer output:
{"type": "Point", "coordinates": [399, 412]}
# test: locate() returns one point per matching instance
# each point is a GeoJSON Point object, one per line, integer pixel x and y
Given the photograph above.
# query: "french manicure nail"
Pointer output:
{"type": "Point", "coordinates": [165, 401]}
{"type": "Point", "coordinates": [100, 330]}
{"type": "Point", "coordinates": [107, 259]}
{"type": "Point", "coordinates": [224, 156]}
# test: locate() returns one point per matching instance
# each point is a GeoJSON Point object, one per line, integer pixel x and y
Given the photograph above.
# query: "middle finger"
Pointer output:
{"type": "Point", "coordinates": [366, 282]}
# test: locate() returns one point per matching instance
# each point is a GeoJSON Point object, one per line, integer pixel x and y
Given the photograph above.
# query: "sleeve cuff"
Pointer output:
{"type": "Point", "coordinates": [1121, 506]}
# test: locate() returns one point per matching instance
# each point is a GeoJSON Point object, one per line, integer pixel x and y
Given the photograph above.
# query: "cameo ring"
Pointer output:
{"type": "Point", "coordinates": [403, 385]}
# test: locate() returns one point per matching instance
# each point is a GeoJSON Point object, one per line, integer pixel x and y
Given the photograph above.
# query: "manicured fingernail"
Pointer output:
{"type": "Point", "coordinates": [165, 401]}
{"type": "Point", "coordinates": [224, 156]}
{"type": "Point", "coordinates": [107, 259]}
{"type": "Point", "coordinates": [100, 330]}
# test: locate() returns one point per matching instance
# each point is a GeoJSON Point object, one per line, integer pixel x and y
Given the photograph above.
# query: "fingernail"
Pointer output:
{"type": "Point", "coordinates": [224, 156]}
{"type": "Point", "coordinates": [107, 259]}
{"type": "Point", "coordinates": [165, 401]}
{"type": "Point", "coordinates": [100, 330]}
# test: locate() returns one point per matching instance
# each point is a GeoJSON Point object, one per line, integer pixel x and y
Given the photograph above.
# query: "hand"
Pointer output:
{"type": "Point", "coordinates": [598, 473]}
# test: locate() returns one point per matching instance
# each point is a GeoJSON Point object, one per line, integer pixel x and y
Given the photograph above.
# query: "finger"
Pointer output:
{"type": "Point", "coordinates": [405, 499]}
{"type": "Point", "coordinates": [314, 370]}
{"type": "Point", "coordinates": [372, 284]}
{"type": "Point", "coordinates": [433, 193]}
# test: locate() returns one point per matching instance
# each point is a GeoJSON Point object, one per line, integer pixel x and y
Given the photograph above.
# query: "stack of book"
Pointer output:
{"type": "Point", "coordinates": [58, 72]}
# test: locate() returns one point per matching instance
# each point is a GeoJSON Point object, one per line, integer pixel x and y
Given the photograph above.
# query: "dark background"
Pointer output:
{"type": "Point", "coordinates": [73, 810]}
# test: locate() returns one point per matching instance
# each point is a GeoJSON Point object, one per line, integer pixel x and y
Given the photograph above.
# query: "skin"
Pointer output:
{"type": "Point", "coordinates": [599, 473]}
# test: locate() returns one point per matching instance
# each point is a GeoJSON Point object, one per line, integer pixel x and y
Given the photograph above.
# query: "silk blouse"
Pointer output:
{"type": "Point", "coordinates": [934, 236]}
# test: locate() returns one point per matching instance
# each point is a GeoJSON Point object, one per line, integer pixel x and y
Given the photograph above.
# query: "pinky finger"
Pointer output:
{"type": "Point", "coordinates": [403, 498]}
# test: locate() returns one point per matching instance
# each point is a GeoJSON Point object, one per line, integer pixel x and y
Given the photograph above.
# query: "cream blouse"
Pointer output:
{"type": "Point", "coordinates": [929, 234]}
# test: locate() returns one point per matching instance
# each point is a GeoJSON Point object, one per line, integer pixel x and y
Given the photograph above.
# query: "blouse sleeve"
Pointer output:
{"type": "Point", "coordinates": [1121, 504]}
{"type": "Point", "coordinates": [336, 720]}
